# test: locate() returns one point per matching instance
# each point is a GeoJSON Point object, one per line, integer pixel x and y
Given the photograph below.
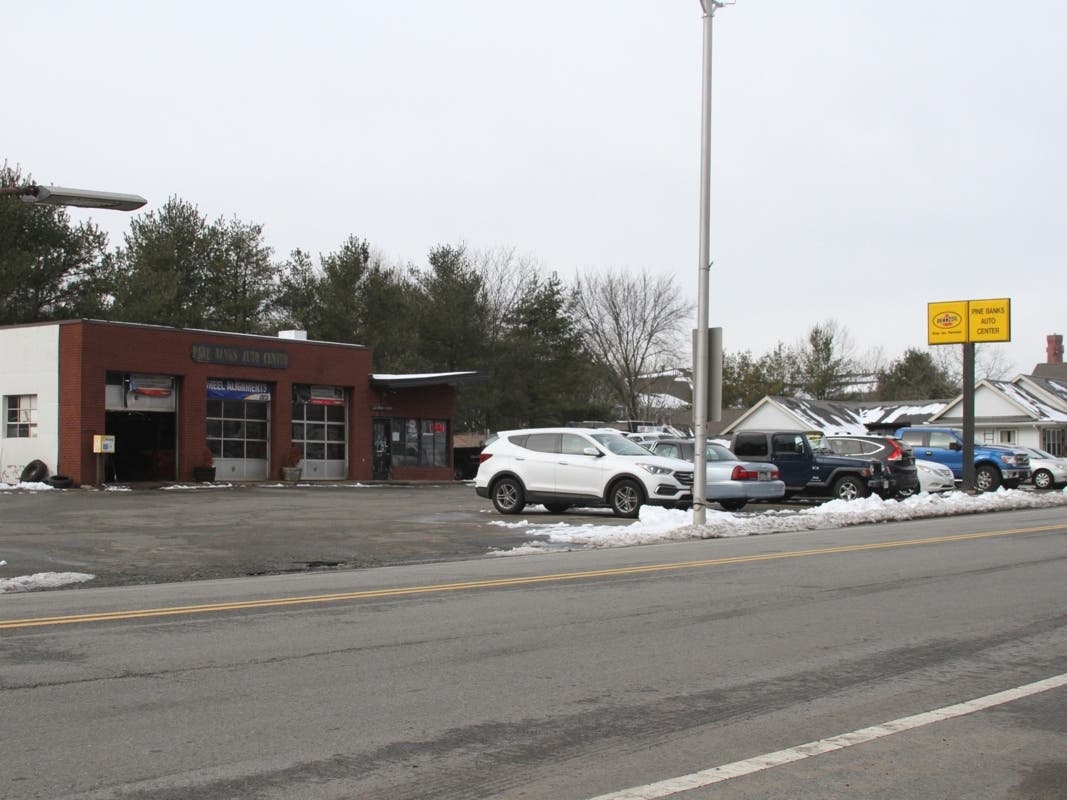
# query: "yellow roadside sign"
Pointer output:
{"type": "Point", "coordinates": [946, 323]}
{"type": "Point", "coordinates": [961, 321]}
{"type": "Point", "coordinates": [989, 320]}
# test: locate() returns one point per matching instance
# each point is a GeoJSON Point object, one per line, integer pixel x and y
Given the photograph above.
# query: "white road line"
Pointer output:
{"type": "Point", "coordinates": [706, 777]}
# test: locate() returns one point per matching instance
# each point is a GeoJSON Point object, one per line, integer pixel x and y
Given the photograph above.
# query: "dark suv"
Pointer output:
{"type": "Point", "coordinates": [896, 456]}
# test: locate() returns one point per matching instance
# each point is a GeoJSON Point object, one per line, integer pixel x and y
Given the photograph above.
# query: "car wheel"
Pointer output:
{"type": "Point", "coordinates": [849, 487]}
{"type": "Point", "coordinates": [626, 498]}
{"type": "Point", "coordinates": [732, 505]}
{"type": "Point", "coordinates": [557, 508]}
{"type": "Point", "coordinates": [987, 478]}
{"type": "Point", "coordinates": [508, 496]}
{"type": "Point", "coordinates": [1043, 479]}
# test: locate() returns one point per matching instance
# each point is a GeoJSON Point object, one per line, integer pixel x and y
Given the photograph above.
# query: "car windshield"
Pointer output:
{"type": "Point", "coordinates": [620, 445]}
{"type": "Point", "coordinates": [1039, 453]}
{"type": "Point", "coordinates": [818, 441]}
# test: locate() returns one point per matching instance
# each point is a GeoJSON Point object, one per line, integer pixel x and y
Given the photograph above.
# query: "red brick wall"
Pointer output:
{"type": "Point", "coordinates": [424, 402]}
{"type": "Point", "coordinates": [88, 350]}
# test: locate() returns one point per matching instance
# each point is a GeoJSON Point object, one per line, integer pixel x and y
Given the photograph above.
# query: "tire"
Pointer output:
{"type": "Point", "coordinates": [34, 472]}
{"type": "Point", "coordinates": [1043, 479]}
{"type": "Point", "coordinates": [557, 508]}
{"type": "Point", "coordinates": [987, 478]}
{"type": "Point", "coordinates": [733, 505]}
{"type": "Point", "coordinates": [61, 481]}
{"type": "Point", "coordinates": [850, 487]}
{"type": "Point", "coordinates": [509, 496]}
{"type": "Point", "coordinates": [626, 498]}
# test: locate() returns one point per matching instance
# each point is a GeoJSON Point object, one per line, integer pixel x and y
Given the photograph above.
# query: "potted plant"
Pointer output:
{"type": "Point", "coordinates": [205, 470]}
{"type": "Point", "coordinates": [291, 465]}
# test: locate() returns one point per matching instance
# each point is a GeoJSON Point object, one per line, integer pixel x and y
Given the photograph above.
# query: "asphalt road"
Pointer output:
{"type": "Point", "coordinates": [561, 676]}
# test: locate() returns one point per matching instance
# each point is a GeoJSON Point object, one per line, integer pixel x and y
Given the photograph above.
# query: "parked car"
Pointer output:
{"type": "Point", "coordinates": [934, 477]}
{"type": "Point", "coordinates": [994, 465]}
{"type": "Point", "coordinates": [730, 482]}
{"type": "Point", "coordinates": [808, 467]}
{"type": "Point", "coordinates": [896, 456]}
{"type": "Point", "coordinates": [1046, 470]}
{"type": "Point", "coordinates": [565, 467]}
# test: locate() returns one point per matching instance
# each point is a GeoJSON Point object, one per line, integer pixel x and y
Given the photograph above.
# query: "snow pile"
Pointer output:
{"type": "Point", "coordinates": [665, 525]}
{"type": "Point", "coordinates": [42, 580]}
{"type": "Point", "coordinates": [31, 486]}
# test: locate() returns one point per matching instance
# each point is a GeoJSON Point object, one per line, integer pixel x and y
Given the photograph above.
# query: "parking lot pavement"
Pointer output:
{"type": "Point", "coordinates": [161, 535]}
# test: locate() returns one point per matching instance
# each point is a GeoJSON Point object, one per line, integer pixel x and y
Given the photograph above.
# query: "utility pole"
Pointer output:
{"type": "Point", "coordinates": [701, 348]}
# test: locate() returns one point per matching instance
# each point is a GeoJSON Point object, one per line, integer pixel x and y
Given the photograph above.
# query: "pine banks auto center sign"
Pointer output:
{"type": "Point", "coordinates": [962, 321]}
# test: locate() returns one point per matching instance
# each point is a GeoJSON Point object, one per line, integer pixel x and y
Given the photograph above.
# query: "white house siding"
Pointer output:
{"type": "Point", "coordinates": [770, 416]}
{"type": "Point", "coordinates": [29, 365]}
{"type": "Point", "coordinates": [999, 419]}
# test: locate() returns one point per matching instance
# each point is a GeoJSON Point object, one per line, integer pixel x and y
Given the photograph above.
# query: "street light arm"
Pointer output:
{"type": "Point", "coordinates": [81, 198]}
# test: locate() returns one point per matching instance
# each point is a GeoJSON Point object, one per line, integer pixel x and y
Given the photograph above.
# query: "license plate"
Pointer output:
{"type": "Point", "coordinates": [764, 475]}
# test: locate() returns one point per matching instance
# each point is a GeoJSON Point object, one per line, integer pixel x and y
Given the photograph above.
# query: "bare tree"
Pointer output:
{"type": "Point", "coordinates": [632, 324]}
{"type": "Point", "coordinates": [506, 278]}
{"type": "Point", "coordinates": [990, 362]}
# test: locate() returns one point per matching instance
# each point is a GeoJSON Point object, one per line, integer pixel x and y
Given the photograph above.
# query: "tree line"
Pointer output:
{"type": "Point", "coordinates": [554, 352]}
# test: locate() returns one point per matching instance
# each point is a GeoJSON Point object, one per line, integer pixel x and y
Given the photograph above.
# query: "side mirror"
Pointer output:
{"type": "Point", "coordinates": [955, 446]}
{"type": "Point", "coordinates": [592, 451]}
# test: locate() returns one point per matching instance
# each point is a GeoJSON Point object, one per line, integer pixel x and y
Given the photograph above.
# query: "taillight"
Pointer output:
{"type": "Point", "coordinates": [742, 474]}
{"type": "Point", "coordinates": [483, 457]}
{"type": "Point", "coordinates": [897, 453]}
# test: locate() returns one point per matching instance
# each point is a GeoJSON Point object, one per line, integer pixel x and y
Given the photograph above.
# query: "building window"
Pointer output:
{"type": "Point", "coordinates": [20, 416]}
{"type": "Point", "coordinates": [1007, 437]}
{"type": "Point", "coordinates": [420, 442]}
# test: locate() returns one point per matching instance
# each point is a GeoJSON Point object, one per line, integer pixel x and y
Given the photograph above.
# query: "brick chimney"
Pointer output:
{"type": "Point", "coordinates": [1054, 349]}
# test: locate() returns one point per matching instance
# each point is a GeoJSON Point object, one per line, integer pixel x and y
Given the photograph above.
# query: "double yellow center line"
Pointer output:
{"type": "Point", "coordinates": [407, 591]}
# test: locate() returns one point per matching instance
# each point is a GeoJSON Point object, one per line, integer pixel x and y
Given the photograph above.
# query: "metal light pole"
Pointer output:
{"type": "Point", "coordinates": [700, 368]}
{"type": "Point", "coordinates": [82, 198]}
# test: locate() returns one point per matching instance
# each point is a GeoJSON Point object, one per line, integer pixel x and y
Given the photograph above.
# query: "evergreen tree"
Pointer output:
{"type": "Point", "coordinates": [543, 374]}
{"type": "Point", "coordinates": [49, 269]}
{"type": "Point", "coordinates": [452, 331]}
{"type": "Point", "coordinates": [915, 376]}
{"type": "Point", "coordinates": [339, 292]}
{"type": "Point", "coordinates": [825, 367]}
{"type": "Point", "coordinates": [162, 274]}
{"type": "Point", "coordinates": [241, 284]}
{"type": "Point", "coordinates": [746, 380]}
{"type": "Point", "coordinates": [297, 299]}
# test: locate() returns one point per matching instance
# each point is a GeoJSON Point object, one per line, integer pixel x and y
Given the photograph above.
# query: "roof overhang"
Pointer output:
{"type": "Point", "coordinates": [380, 381]}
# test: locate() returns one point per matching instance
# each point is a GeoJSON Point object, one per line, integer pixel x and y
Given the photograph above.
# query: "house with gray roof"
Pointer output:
{"type": "Point", "coordinates": [794, 413]}
{"type": "Point", "coordinates": [1027, 411]}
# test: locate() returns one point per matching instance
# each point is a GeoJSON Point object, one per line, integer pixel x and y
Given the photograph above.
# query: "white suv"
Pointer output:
{"type": "Point", "coordinates": [564, 467]}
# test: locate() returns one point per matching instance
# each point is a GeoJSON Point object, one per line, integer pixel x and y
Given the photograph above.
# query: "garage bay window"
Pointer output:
{"type": "Point", "coordinates": [320, 430]}
{"type": "Point", "coordinates": [238, 424]}
{"type": "Point", "coordinates": [420, 442]}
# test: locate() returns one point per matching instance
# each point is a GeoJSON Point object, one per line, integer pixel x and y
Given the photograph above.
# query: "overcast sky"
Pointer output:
{"type": "Point", "coordinates": [868, 157]}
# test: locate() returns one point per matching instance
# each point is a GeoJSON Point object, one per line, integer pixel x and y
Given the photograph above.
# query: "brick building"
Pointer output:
{"type": "Point", "coordinates": [170, 396]}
